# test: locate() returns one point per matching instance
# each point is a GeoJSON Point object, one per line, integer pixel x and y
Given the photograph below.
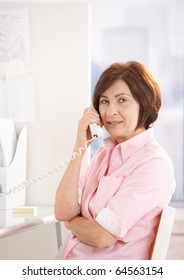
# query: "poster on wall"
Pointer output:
{"type": "Point", "coordinates": [16, 83]}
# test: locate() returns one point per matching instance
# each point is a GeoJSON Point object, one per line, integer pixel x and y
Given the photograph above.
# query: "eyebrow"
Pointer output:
{"type": "Point", "coordinates": [117, 95]}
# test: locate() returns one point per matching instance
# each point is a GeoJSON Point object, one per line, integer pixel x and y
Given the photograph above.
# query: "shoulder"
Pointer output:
{"type": "Point", "coordinates": [150, 159]}
{"type": "Point", "coordinates": [155, 166]}
{"type": "Point", "coordinates": [155, 152]}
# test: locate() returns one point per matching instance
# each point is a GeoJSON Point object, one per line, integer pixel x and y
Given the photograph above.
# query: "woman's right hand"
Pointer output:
{"type": "Point", "coordinates": [90, 116]}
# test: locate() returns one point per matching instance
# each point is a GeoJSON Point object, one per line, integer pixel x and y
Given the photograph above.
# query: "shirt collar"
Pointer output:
{"type": "Point", "coordinates": [130, 146]}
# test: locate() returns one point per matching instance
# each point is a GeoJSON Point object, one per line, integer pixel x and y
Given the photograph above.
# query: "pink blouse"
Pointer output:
{"type": "Point", "coordinates": [124, 189]}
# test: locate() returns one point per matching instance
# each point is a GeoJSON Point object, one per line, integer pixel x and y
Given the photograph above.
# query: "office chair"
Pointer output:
{"type": "Point", "coordinates": [161, 244]}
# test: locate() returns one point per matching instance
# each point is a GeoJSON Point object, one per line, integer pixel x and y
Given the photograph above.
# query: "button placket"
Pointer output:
{"type": "Point", "coordinates": [117, 159]}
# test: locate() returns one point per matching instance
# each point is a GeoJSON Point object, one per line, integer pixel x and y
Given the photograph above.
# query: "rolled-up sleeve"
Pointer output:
{"type": "Point", "coordinates": [110, 221]}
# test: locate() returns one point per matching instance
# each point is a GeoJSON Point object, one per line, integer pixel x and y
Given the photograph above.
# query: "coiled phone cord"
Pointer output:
{"type": "Point", "coordinates": [31, 181]}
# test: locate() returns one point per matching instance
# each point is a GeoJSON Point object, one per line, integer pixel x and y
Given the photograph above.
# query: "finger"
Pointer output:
{"type": "Point", "coordinates": [91, 112]}
{"type": "Point", "coordinates": [85, 110]}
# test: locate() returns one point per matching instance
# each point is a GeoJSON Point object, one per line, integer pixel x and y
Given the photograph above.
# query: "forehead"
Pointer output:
{"type": "Point", "coordinates": [118, 87]}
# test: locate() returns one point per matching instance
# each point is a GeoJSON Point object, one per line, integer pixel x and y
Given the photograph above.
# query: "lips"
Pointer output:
{"type": "Point", "coordinates": [114, 123]}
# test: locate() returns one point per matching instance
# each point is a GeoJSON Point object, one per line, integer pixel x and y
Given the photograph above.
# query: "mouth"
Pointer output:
{"type": "Point", "coordinates": [114, 123]}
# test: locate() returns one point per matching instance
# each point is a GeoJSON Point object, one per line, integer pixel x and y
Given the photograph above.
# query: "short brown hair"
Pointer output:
{"type": "Point", "coordinates": [142, 85]}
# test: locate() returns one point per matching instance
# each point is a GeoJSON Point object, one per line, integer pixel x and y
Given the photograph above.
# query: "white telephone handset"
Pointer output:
{"type": "Point", "coordinates": [96, 130]}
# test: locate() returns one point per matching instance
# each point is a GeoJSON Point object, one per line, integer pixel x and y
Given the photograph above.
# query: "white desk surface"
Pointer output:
{"type": "Point", "coordinates": [11, 224]}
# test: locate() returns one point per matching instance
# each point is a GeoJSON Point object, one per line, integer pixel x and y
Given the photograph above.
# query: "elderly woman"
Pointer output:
{"type": "Point", "coordinates": [113, 208]}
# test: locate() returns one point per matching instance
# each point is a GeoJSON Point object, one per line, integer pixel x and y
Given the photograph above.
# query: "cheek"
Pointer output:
{"type": "Point", "coordinates": [101, 118]}
{"type": "Point", "coordinates": [134, 109]}
{"type": "Point", "coordinates": [101, 113]}
{"type": "Point", "coordinates": [131, 114]}
{"type": "Point", "coordinates": [135, 116]}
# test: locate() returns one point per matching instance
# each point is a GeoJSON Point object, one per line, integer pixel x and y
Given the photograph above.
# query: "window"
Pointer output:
{"type": "Point", "coordinates": [152, 33]}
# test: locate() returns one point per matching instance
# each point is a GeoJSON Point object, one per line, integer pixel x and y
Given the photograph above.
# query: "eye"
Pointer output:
{"type": "Point", "coordinates": [122, 100]}
{"type": "Point", "coordinates": [103, 101]}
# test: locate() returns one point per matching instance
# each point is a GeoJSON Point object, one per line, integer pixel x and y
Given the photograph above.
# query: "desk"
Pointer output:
{"type": "Point", "coordinates": [11, 224]}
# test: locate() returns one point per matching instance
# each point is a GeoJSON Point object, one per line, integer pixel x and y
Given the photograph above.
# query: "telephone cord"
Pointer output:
{"type": "Point", "coordinates": [31, 181]}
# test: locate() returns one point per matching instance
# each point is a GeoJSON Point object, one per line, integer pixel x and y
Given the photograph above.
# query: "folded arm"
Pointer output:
{"type": "Point", "coordinates": [90, 232]}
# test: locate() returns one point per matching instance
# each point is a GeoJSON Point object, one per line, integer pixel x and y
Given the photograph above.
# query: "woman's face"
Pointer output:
{"type": "Point", "coordinates": [119, 112]}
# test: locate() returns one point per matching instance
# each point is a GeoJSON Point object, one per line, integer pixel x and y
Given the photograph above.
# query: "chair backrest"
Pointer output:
{"type": "Point", "coordinates": [161, 244]}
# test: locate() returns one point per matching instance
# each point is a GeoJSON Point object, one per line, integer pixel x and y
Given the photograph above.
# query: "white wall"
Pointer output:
{"type": "Point", "coordinates": [60, 68]}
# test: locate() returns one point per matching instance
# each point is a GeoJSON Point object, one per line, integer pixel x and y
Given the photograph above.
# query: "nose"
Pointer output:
{"type": "Point", "coordinates": [111, 110]}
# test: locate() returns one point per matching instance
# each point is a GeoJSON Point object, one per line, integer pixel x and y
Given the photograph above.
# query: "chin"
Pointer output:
{"type": "Point", "coordinates": [122, 137]}
{"type": "Point", "coordinates": [119, 138]}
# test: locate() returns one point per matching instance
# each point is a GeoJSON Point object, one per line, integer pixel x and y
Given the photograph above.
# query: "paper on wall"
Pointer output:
{"type": "Point", "coordinates": [14, 68]}
{"type": "Point", "coordinates": [16, 84]}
